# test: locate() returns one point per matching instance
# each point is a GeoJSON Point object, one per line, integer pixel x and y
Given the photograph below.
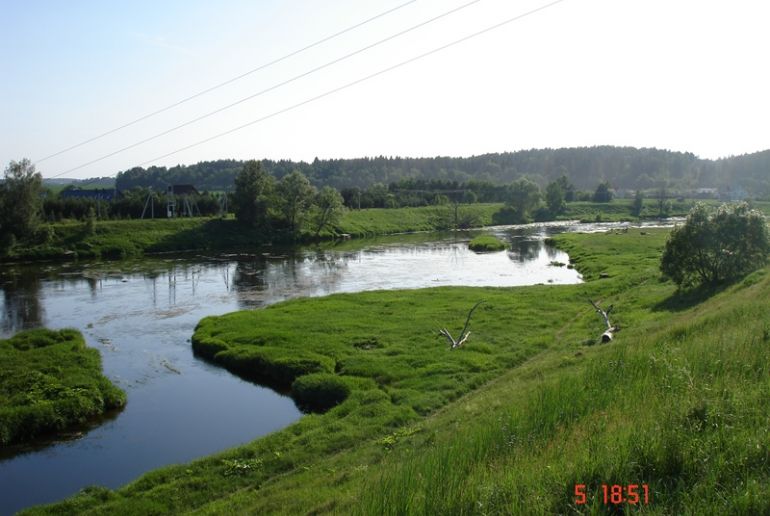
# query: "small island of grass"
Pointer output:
{"type": "Point", "coordinates": [486, 244]}
{"type": "Point", "coordinates": [50, 381]}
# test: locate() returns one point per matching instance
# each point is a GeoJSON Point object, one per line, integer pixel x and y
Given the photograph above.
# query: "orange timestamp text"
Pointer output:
{"type": "Point", "coordinates": [615, 494]}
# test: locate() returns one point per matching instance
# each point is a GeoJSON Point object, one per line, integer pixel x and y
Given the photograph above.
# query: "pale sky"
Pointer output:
{"type": "Point", "coordinates": [684, 75]}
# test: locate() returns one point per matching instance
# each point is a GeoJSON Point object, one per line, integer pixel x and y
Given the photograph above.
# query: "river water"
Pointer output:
{"type": "Point", "coordinates": [141, 314]}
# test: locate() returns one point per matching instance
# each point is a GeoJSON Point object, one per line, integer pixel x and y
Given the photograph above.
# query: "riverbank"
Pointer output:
{"type": "Point", "coordinates": [50, 382]}
{"type": "Point", "coordinates": [128, 238]}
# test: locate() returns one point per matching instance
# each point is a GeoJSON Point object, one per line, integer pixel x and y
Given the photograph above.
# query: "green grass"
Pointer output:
{"type": "Point", "coordinates": [382, 221]}
{"type": "Point", "coordinates": [49, 382]}
{"type": "Point", "coordinates": [486, 244]}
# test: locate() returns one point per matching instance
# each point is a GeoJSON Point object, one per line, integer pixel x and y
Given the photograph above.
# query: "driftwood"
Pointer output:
{"type": "Point", "coordinates": [463, 334]}
{"type": "Point", "coordinates": [607, 335]}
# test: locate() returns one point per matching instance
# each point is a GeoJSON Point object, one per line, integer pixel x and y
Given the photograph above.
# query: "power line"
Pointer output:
{"type": "Point", "coordinates": [357, 81]}
{"type": "Point", "coordinates": [225, 83]}
{"type": "Point", "coordinates": [271, 88]}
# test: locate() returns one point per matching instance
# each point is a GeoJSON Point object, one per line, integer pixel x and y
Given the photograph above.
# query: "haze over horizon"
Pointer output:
{"type": "Point", "coordinates": [685, 77]}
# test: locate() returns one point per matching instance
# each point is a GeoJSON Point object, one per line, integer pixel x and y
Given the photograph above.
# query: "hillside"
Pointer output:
{"type": "Point", "coordinates": [513, 421]}
{"type": "Point", "coordinates": [623, 167]}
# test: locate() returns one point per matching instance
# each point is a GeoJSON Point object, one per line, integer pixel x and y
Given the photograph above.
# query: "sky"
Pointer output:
{"type": "Point", "coordinates": [683, 75]}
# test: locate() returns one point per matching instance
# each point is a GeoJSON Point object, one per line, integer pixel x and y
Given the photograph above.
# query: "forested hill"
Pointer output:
{"type": "Point", "coordinates": [623, 167]}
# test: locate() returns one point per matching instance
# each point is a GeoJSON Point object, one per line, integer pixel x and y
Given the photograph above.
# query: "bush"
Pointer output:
{"type": "Point", "coordinates": [716, 246]}
{"type": "Point", "coordinates": [320, 391]}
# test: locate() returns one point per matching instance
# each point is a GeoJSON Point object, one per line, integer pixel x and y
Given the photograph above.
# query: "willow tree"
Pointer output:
{"type": "Point", "coordinates": [714, 246]}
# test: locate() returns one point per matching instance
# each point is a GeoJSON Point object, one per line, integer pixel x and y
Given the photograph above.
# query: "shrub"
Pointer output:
{"type": "Point", "coordinates": [320, 391]}
{"type": "Point", "coordinates": [716, 246]}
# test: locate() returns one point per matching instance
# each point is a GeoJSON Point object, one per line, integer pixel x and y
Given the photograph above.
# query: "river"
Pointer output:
{"type": "Point", "coordinates": [140, 314]}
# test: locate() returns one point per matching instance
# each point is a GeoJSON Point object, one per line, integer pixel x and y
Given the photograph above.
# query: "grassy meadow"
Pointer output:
{"type": "Point", "coordinates": [50, 382]}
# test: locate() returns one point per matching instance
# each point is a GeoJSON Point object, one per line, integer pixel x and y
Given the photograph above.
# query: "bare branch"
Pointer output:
{"type": "Point", "coordinates": [463, 334]}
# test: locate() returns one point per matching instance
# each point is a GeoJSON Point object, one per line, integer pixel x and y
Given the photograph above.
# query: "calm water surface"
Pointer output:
{"type": "Point", "coordinates": [141, 314]}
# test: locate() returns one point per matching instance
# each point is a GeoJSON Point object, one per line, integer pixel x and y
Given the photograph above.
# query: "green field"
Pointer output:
{"type": "Point", "coordinates": [50, 382]}
{"type": "Point", "coordinates": [510, 422]}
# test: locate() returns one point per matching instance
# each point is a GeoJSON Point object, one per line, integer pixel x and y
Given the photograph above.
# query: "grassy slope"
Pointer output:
{"type": "Point", "coordinates": [683, 407]}
{"type": "Point", "coordinates": [49, 381]}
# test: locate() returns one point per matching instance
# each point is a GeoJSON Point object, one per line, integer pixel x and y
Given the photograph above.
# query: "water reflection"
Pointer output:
{"type": "Point", "coordinates": [21, 307]}
{"type": "Point", "coordinates": [524, 249]}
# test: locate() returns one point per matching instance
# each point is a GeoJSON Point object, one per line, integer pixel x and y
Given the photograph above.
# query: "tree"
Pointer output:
{"type": "Point", "coordinates": [567, 188]}
{"type": "Point", "coordinates": [252, 198]}
{"type": "Point", "coordinates": [603, 192]}
{"type": "Point", "coordinates": [554, 198]}
{"type": "Point", "coordinates": [716, 246]}
{"type": "Point", "coordinates": [328, 209]}
{"type": "Point", "coordinates": [638, 205]}
{"type": "Point", "coordinates": [523, 196]}
{"type": "Point", "coordinates": [295, 194]}
{"type": "Point", "coordinates": [20, 201]}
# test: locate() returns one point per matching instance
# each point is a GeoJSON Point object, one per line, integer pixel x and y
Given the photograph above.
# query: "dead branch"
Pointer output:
{"type": "Point", "coordinates": [463, 334]}
{"type": "Point", "coordinates": [607, 335]}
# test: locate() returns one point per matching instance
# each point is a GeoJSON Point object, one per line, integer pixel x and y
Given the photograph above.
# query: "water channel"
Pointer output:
{"type": "Point", "coordinates": [140, 315]}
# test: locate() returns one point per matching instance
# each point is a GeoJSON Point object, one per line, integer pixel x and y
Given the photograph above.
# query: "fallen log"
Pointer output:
{"type": "Point", "coordinates": [608, 334]}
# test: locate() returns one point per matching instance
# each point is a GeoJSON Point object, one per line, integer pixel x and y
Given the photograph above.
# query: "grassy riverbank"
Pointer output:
{"type": "Point", "coordinates": [126, 238]}
{"type": "Point", "coordinates": [49, 382]}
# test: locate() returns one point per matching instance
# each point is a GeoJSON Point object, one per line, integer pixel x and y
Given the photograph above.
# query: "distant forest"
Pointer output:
{"type": "Point", "coordinates": [624, 168]}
